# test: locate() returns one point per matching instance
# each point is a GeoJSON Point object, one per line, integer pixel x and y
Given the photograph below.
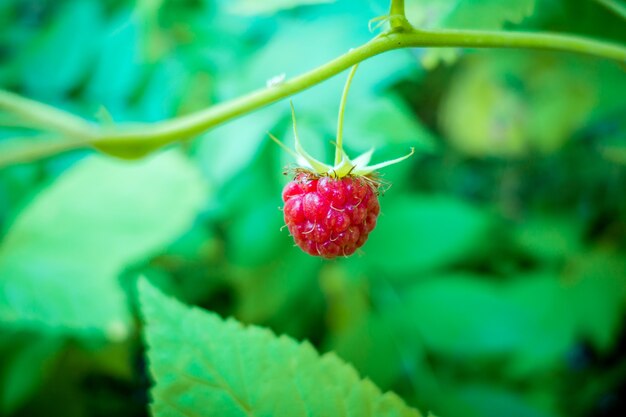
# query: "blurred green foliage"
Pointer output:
{"type": "Point", "coordinates": [493, 285]}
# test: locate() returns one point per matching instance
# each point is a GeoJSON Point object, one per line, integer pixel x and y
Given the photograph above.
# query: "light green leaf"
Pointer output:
{"type": "Point", "coordinates": [204, 366]}
{"type": "Point", "coordinates": [378, 120]}
{"type": "Point", "coordinates": [228, 149]}
{"type": "Point", "coordinates": [487, 14]}
{"type": "Point", "coordinates": [422, 233]}
{"type": "Point", "coordinates": [256, 7]}
{"type": "Point", "coordinates": [463, 14]}
{"type": "Point", "coordinates": [60, 260]}
{"type": "Point", "coordinates": [334, 36]}
{"type": "Point", "coordinates": [510, 104]}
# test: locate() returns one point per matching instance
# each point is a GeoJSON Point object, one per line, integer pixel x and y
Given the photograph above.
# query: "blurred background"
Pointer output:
{"type": "Point", "coordinates": [493, 285]}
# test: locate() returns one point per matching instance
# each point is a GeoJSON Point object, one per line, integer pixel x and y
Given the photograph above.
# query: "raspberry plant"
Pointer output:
{"type": "Point", "coordinates": [482, 292]}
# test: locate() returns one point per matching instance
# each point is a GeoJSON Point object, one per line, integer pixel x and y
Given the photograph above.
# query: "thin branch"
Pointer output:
{"type": "Point", "coordinates": [31, 113]}
{"type": "Point", "coordinates": [135, 140]}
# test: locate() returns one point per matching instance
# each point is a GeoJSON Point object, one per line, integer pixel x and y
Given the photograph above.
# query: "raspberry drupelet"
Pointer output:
{"type": "Point", "coordinates": [328, 216]}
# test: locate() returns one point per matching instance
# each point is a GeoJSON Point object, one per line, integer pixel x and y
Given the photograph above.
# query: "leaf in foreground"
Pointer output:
{"type": "Point", "coordinates": [205, 366]}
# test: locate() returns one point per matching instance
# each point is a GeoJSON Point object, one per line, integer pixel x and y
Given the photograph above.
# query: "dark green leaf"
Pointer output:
{"type": "Point", "coordinates": [59, 60]}
{"type": "Point", "coordinates": [597, 295]}
{"type": "Point", "coordinates": [421, 233]}
{"type": "Point", "coordinates": [26, 360]}
{"type": "Point", "coordinates": [617, 7]}
{"type": "Point", "coordinates": [464, 317]}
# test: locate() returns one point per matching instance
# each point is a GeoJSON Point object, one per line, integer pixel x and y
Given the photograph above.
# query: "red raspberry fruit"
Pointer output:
{"type": "Point", "coordinates": [328, 216]}
{"type": "Point", "coordinates": [331, 209]}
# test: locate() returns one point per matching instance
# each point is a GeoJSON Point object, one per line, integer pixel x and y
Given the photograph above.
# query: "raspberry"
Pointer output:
{"type": "Point", "coordinates": [328, 216]}
{"type": "Point", "coordinates": [331, 209]}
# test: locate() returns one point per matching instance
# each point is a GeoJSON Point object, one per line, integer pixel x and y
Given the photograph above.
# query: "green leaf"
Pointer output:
{"type": "Point", "coordinates": [598, 293]}
{"type": "Point", "coordinates": [280, 293]}
{"type": "Point", "coordinates": [26, 361]}
{"type": "Point", "coordinates": [614, 153]}
{"type": "Point", "coordinates": [169, 81]}
{"type": "Point", "coordinates": [118, 65]}
{"type": "Point", "coordinates": [379, 120]}
{"type": "Point", "coordinates": [61, 258]}
{"type": "Point", "coordinates": [60, 58]}
{"type": "Point", "coordinates": [463, 14]}
{"type": "Point", "coordinates": [510, 104]}
{"type": "Point", "coordinates": [467, 317]}
{"type": "Point", "coordinates": [534, 320]}
{"type": "Point", "coordinates": [423, 233]}
{"type": "Point", "coordinates": [487, 14]}
{"type": "Point", "coordinates": [371, 338]}
{"type": "Point", "coordinates": [549, 237]}
{"type": "Point", "coordinates": [333, 36]}
{"type": "Point", "coordinates": [205, 366]}
{"type": "Point", "coordinates": [617, 7]}
{"type": "Point", "coordinates": [485, 400]}
{"type": "Point", "coordinates": [547, 327]}
{"type": "Point", "coordinates": [255, 7]}
{"type": "Point", "coordinates": [230, 148]}
{"type": "Point", "coordinates": [528, 324]}
{"type": "Point", "coordinates": [256, 228]}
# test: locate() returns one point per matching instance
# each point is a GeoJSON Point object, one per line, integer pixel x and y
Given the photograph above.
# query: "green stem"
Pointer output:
{"type": "Point", "coordinates": [397, 18]}
{"type": "Point", "coordinates": [342, 110]}
{"type": "Point", "coordinates": [396, 8]}
{"type": "Point", "coordinates": [193, 124]}
{"type": "Point", "coordinates": [143, 138]}
{"type": "Point", "coordinates": [31, 113]}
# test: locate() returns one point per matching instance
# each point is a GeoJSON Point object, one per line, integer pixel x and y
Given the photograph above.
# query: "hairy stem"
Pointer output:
{"type": "Point", "coordinates": [134, 140]}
